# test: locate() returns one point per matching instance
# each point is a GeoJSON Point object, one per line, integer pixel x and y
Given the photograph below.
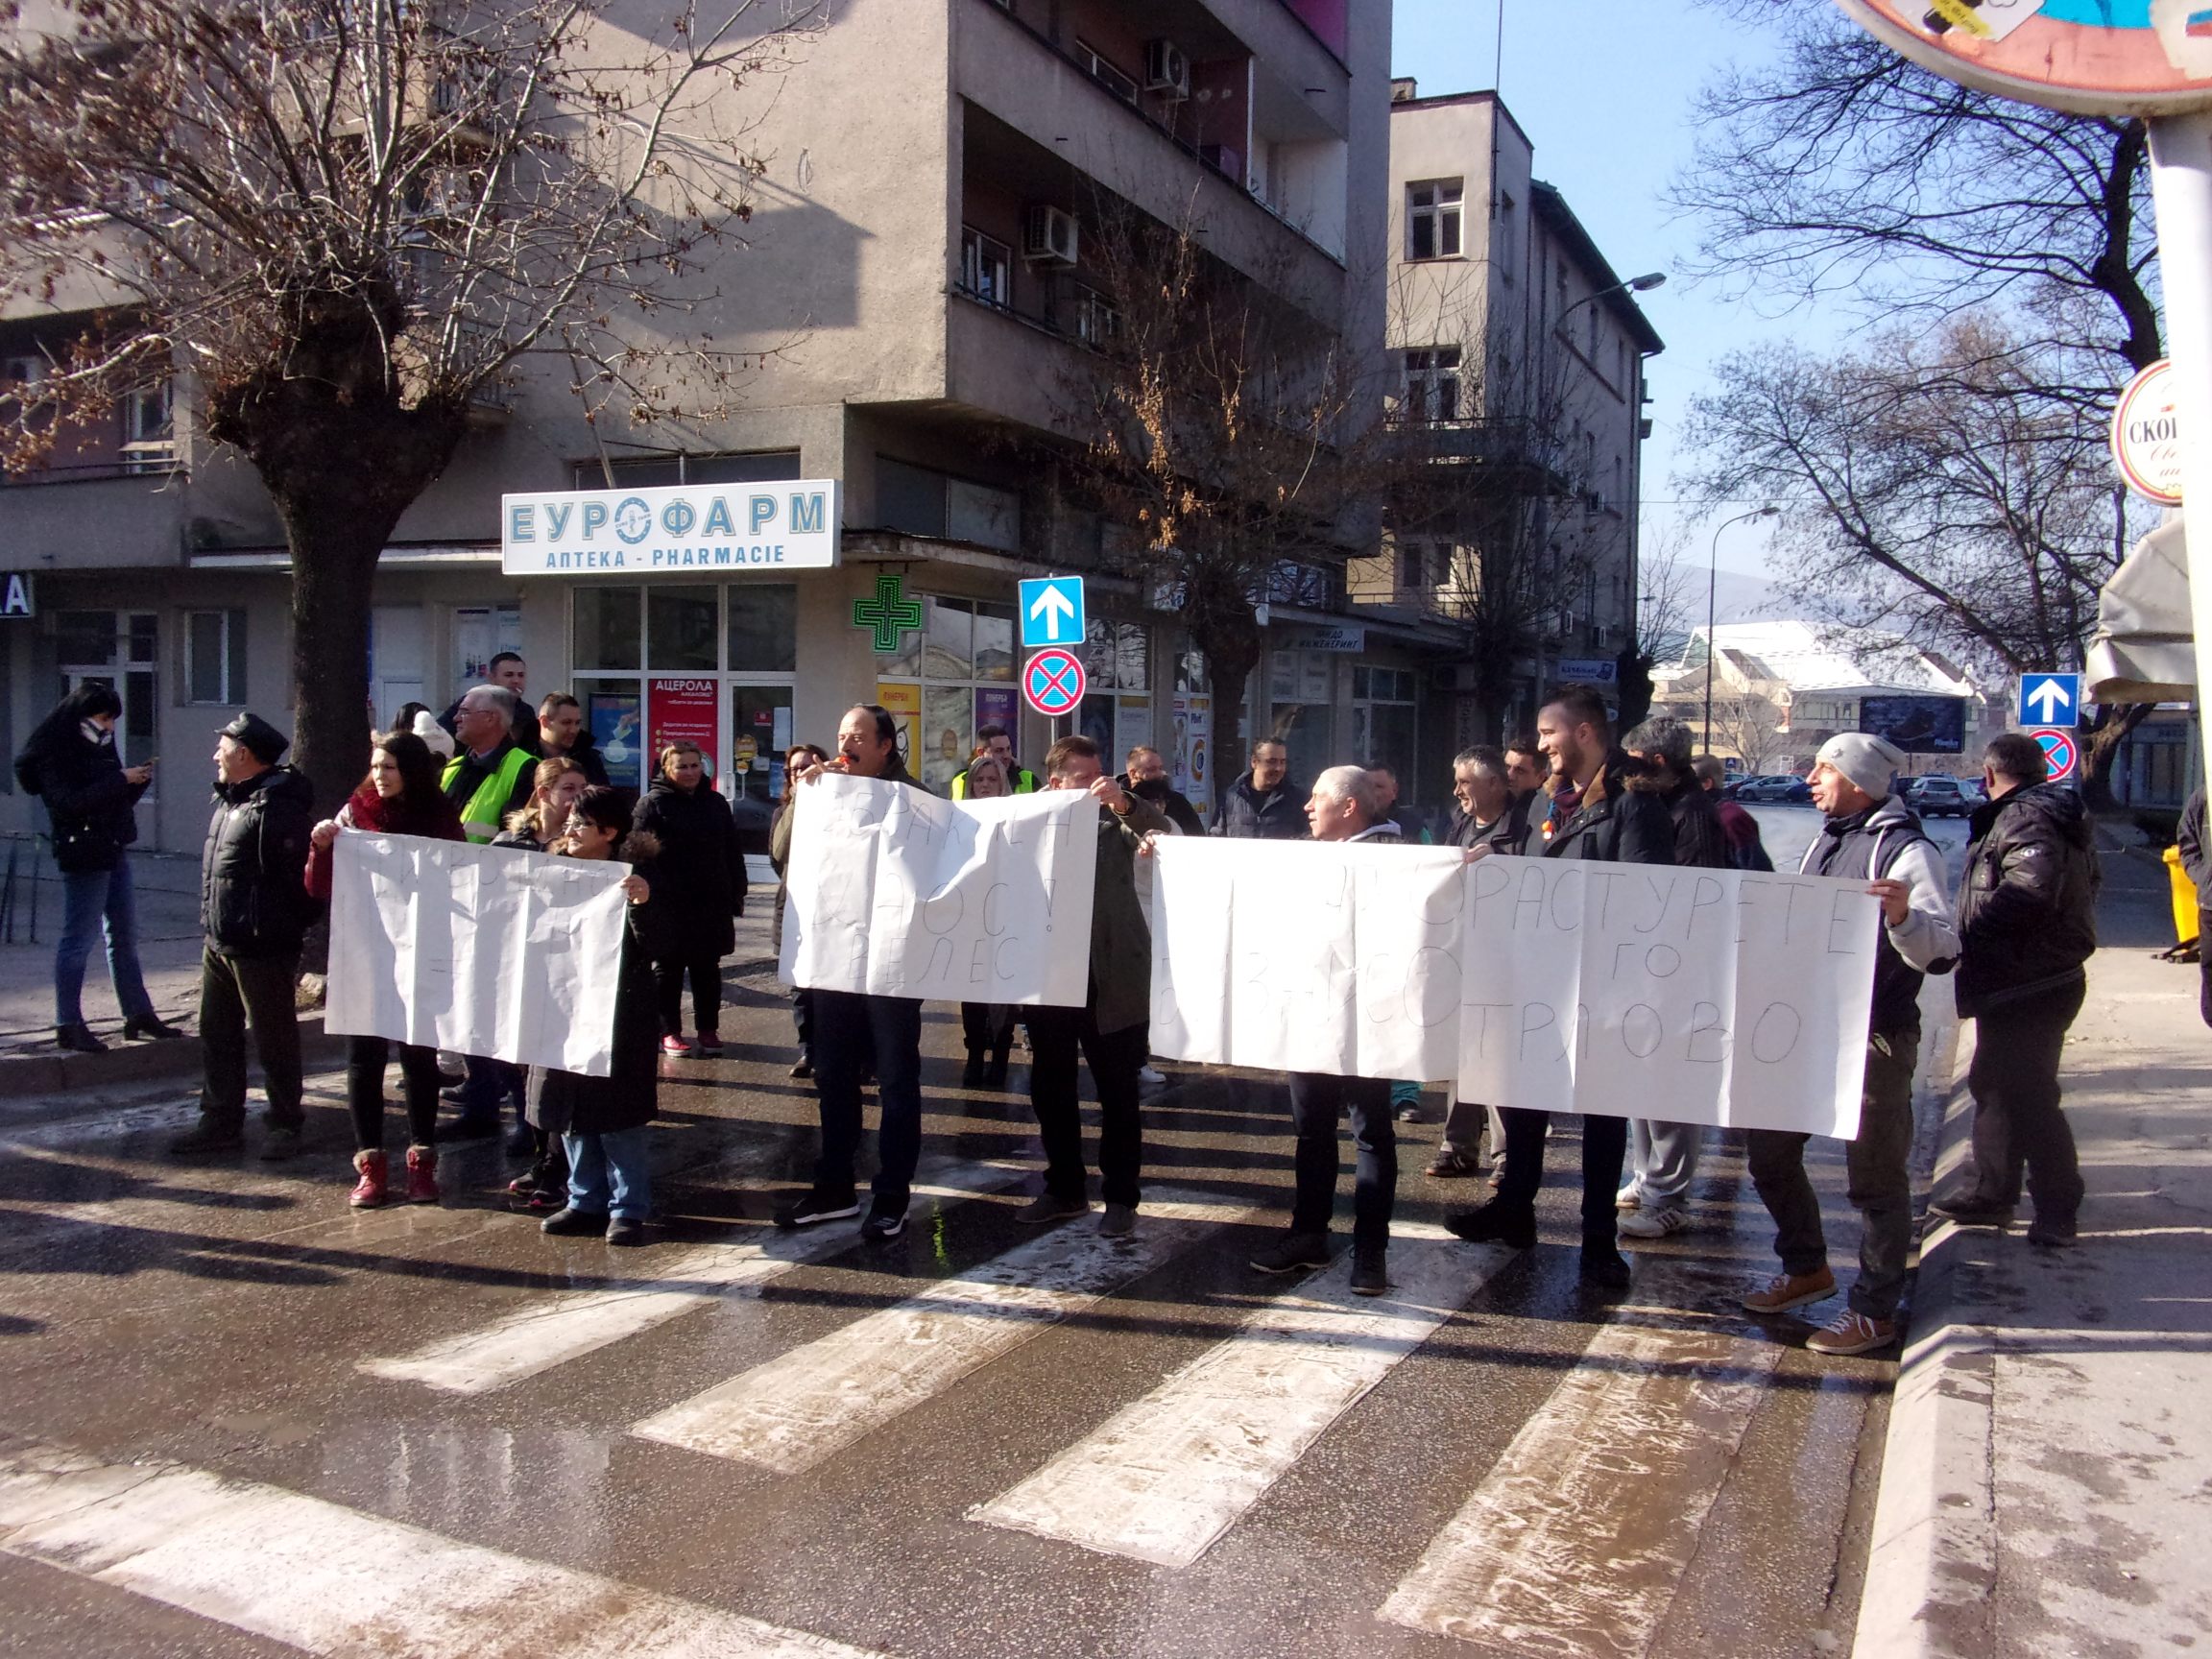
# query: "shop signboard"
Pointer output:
{"type": "Point", "coordinates": [792, 525]}
{"type": "Point", "coordinates": [16, 601]}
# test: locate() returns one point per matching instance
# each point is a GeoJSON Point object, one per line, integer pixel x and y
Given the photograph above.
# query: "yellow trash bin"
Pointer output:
{"type": "Point", "coordinates": [2184, 897]}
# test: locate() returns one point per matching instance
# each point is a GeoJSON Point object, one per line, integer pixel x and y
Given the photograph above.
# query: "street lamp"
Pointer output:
{"type": "Point", "coordinates": [1643, 284]}
{"type": "Point", "coordinates": [1712, 591]}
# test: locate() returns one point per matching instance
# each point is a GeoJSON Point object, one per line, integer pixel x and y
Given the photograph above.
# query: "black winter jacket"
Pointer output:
{"type": "Point", "coordinates": [1508, 833]}
{"type": "Point", "coordinates": [700, 868]}
{"type": "Point", "coordinates": [89, 803]}
{"type": "Point", "coordinates": [1612, 823]}
{"type": "Point", "coordinates": [1279, 815]}
{"type": "Point", "coordinates": [2027, 902]}
{"type": "Point", "coordinates": [252, 889]}
{"type": "Point", "coordinates": [1700, 841]}
{"type": "Point", "coordinates": [629, 1097]}
{"type": "Point", "coordinates": [1171, 801]}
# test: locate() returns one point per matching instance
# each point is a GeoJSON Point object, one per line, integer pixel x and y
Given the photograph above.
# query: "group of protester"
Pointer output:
{"type": "Point", "coordinates": [2015, 942]}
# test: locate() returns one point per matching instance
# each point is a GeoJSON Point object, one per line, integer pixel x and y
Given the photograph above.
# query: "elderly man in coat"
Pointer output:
{"type": "Point", "coordinates": [1110, 1028]}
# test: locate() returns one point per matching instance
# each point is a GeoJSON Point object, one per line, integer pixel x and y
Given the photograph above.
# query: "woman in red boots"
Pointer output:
{"type": "Point", "coordinates": [399, 797]}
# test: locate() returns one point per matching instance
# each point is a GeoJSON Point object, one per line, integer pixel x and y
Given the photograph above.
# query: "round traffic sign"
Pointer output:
{"type": "Point", "coordinates": [2095, 57]}
{"type": "Point", "coordinates": [1052, 684]}
{"type": "Point", "coordinates": [2060, 754]}
{"type": "Point", "coordinates": [2146, 436]}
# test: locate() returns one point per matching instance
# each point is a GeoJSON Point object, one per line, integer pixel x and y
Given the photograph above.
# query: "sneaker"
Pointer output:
{"type": "Point", "coordinates": [882, 1226]}
{"type": "Point", "coordinates": [674, 1044]}
{"type": "Point", "coordinates": [709, 1045]}
{"type": "Point", "coordinates": [625, 1231]}
{"type": "Point", "coordinates": [208, 1136]}
{"type": "Point", "coordinates": [1151, 1076]}
{"type": "Point", "coordinates": [1493, 1223]}
{"type": "Point", "coordinates": [1119, 1221]}
{"type": "Point", "coordinates": [1451, 1164]}
{"type": "Point", "coordinates": [1629, 1198]}
{"type": "Point", "coordinates": [1410, 1112]}
{"type": "Point", "coordinates": [803, 1070]}
{"type": "Point", "coordinates": [422, 1174]}
{"type": "Point", "coordinates": [816, 1207]}
{"type": "Point", "coordinates": [148, 1027]}
{"type": "Point", "coordinates": [1787, 1291]}
{"type": "Point", "coordinates": [1972, 1213]}
{"type": "Point", "coordinates": [1292, 1253]}
{"type": "Point", "coordinates": [1369, 1277]}
{"type": "Point", "coordinates": [1850, 1333]}
{"type": "Point", "coordinates": [280, 1143]}
{"type": "Point", "coordinates": [2053, 1234]}
{"type": "Point", "coordinates": [372, 1189]}
{"type": "Point", "coordinates": [1604, 1268]}
{"type": "Point", "coordinates": [1654, 1222]}
{"type": "Point", "coordinates": [573, 1223]}
{"type": "Point", "coordinates": [1046, 1208]}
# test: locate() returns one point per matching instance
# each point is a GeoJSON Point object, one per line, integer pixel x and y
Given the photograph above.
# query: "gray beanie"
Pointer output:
{"type": "Point", "coordinates": [1867, 760]}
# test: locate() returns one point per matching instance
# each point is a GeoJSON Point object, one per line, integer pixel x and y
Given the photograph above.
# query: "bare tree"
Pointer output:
{"type": "Point", "coordinates": [1222, 423]}
{"type": "Point", "coordinates": [1667, 598]}
{"type": "Point", "coordinates": [347, 221]}
{"type": "Point", "coordinates": [1933, 492]}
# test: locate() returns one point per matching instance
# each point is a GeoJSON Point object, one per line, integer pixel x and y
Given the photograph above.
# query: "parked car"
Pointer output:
{"type": "Point", "coordinates": [1938, 796]}
{"type": "Point", "coordinates": [1776, 786]}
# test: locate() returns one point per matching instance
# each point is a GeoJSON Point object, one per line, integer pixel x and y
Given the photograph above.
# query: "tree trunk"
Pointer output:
{"type": "Point", "coordinates": [2100, 750]}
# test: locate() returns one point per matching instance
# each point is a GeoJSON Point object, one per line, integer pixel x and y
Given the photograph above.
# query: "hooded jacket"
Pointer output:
{"type": "Point", "coordinates": [2028, 901]}
{"type": "Point", "coordinates": [1886, 841]}
{"type": "Point", "coordinates": [1278, 815]}
{"type": "Point", "coordinates": [701, 865]}
{"type": "Point", "coordinates": [90, 805]}
{"type": "Point", "coordinates": [1611, 822]}
{"type": "Point", "coordinates": [252, 873]}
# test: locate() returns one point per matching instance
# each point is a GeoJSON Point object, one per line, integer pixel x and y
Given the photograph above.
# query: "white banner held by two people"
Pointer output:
{"type": "Point", "coordinates": [482, 951]}
{"type": "Point", "coordinates": [1712, 997]}
{"type": "Point", "coordinates": [895, 892]}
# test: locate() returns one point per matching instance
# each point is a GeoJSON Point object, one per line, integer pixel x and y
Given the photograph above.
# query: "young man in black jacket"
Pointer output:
{"type": "Point", "coordinates": [2027, 924]}
{"type": "Point", "coordinates": [1594, 816]}
{"type": "Point", "coordinates": [255, 910]}
{"type": "Point", "coordinates": [1265, 803]}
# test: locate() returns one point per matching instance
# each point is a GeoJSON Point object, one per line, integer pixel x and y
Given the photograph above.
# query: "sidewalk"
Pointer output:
{"type": "Point", "coordinates": [2044, 1488]}
{"type": "Point", "coordinates": [167, 888]}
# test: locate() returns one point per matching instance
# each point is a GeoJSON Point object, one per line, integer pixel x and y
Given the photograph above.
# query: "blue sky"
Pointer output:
{"type": "Point", "coordinates": [1603, 89]}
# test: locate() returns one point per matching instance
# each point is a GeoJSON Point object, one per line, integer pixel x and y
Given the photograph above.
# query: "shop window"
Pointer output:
{"type": "Point", "coordinates": [608, 628]}
{"type": "Point", "coordinates": [1384, 721]}
{"type": "Point", "coordinates": [118, 649]}
{"type": "Point", "coordinates": [1116, 713]}
{"type": "Point", "coordinates": [681, 628]}
{"type": "Point", "coordinates": [948, 676]}
{"type": "Point", "coordinates": [1299, 713]}
{"type": "Point", "coordinates": [481, 632]}
{"type": "Point", "coordinates": [763, 628]}
{"type": "Point", "coordinates": [215, 656]}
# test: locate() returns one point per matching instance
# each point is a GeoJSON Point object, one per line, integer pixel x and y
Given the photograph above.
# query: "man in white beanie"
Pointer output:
{"type": "Point", "coordinates": [1870, 837]}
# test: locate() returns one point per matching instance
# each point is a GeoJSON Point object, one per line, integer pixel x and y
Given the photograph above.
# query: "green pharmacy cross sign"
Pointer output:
{"type": "Point", "coordinates": [890, 613]}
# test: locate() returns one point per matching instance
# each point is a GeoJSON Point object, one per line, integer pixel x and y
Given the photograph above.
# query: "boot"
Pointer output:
{"type": "Point", "coordinates": [149, 1027]}
{"type": "Point", "coordinates": [971, 1078]}
{"type": "Point", "coordinates": [78, 1039]}
{"type": "Point", "coordinates": [994, 1073]}
{"type": "Point", "coordinates": [374, 1188]}
{"type": "Point", "coordinates": [422, 1174]}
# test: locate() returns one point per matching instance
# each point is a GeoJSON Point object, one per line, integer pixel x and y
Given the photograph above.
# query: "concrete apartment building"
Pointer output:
{"type": "Point", "coordinates": [918, 248]}
{"type": "Point", "coordinates": [1518, 360]}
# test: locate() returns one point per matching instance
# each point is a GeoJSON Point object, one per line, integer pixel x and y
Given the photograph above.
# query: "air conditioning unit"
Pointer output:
{"type": "Point", "coordinates": [1166, 69]}
{"type": "Point", "coordinates": [1048, 236]}
{"type": "Point", "coordinates": [1224, 158]}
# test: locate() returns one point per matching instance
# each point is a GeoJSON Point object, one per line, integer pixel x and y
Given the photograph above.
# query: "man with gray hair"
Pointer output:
{"type": "Point", "coordinates": [1345, 806]}
{"type": "Point", "coordinates": [490, 774]}
{"type": "Point", "coordinates": [1492, 822]}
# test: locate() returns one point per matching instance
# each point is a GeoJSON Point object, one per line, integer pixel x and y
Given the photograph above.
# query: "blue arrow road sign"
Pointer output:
{"type": "Point", "coordinates": [1051, 611]}
{"type": "Point", "coordinates": [2049, 699]}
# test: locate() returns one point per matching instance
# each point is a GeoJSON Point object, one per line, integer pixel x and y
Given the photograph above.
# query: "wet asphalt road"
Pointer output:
{"type": "Point", "coordinates": [241, 1419]}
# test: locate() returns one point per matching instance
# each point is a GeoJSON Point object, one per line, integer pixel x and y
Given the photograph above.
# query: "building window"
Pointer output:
{"type": "Point", "coordinates": [1116, 713]}
{"type": "Point", "coordinates": [1093, 321]}
{"type": "Point", "coordinates": [1103, 71]}
{"type": "Point", "coordinates": [118, 649]}
{"type": "Point", "coordinates": [986, 268]}
{"type": "Point", "coordinates": [1432, 213]}
{"type": "Point", "coordinates": [215, 658]}
{"type": "Point", "coordinates": [660, 471]}
{"type": "Point", "coordinates": [921, 501]}
{"type": "Point", "coordinates": [1432, 384]}
{"type": "Point", "coordinates": [1301, 687]}
{"type": "Point", "coordinates": [149, 431]}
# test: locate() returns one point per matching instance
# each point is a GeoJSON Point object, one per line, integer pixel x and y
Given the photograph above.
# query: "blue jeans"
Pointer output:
{"type": "Point", "coordinates": [611, 1174]}
{"type": "Point", "coordinates": [93, 901]}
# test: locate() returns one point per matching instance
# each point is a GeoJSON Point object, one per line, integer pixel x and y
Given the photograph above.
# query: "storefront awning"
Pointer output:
{"type": "Point", "coordinates": [2145, 650]}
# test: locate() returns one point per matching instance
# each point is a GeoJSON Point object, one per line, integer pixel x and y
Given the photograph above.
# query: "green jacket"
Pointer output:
{"type": "Point", "coordinates": [1120, 944]}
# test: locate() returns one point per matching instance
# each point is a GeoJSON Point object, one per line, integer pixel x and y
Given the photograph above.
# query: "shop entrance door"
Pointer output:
{"type": "Point", "coordinates": [759, 731]}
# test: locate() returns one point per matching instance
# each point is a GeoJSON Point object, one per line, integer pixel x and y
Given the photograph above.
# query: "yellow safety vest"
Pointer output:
{"type": "Point", "coordinates": [481, 813]}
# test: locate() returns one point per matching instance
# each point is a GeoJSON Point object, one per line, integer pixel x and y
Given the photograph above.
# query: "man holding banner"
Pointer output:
{"type": "Point", "coordinates": [1608, 823]}
{"type": "Point", "coordinates": [1868, 836]}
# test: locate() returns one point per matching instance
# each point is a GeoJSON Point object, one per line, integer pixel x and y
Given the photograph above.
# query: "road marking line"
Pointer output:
{"type": "Point", "coordinates": [800, 1407]}
{"type": "Point", "coordinates": [551, 1330]}
{"type": "Point", "coordinates": [336, 1582]}
{"type": "Point", "coordinates": [1577, 1540]}
{"type": "Point", "coordinates": [1166, 1475]}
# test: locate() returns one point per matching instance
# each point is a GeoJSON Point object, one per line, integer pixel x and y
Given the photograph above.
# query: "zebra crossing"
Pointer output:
{"type": "Point", "coordinates": [1532, 1550]}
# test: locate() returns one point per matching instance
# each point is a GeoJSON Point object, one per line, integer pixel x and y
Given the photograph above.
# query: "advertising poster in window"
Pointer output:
{"type": "Point", "coordinates": [946, 734]}
{"type": "Point", "coordinates": [615, 720]}
{"type": "Point", "coordinates": [904, 702]}
{"type": "Point", "coordinates": [1916, 725]}
{"type": "Point", "coordinates": [1193, 750]}
{"type": "Point", "coordinates": [681, 710]}
{"type": "Point", "coordinates": [995, 706]}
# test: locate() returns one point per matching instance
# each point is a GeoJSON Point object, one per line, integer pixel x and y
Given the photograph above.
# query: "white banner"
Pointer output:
{"type": "Point", "coordinates": [1686, 995]}
{"type": "Point", "coordinates": [895, 892]}
{"type": "Point", "coordinates": [478, 950]}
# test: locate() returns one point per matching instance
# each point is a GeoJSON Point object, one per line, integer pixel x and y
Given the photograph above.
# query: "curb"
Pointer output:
{"type": "Point", "coordinates": [58, 1073]}
{"type": "Point", "coordinates": [1932, 1564]}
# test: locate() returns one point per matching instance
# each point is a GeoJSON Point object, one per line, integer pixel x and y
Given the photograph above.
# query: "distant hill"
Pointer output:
{"type": "Point", "coordinates": [1737, 597]}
